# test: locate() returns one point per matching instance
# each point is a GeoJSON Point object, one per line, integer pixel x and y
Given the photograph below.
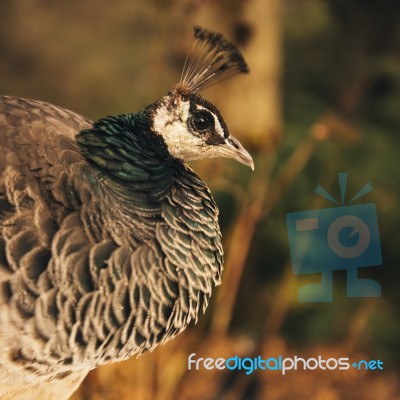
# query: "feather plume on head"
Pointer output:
{"type": "Point", "coordinates": [211, 59]}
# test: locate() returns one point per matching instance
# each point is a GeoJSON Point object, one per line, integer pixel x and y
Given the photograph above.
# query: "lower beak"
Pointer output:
{"type": "Point", "coordinates": [233, 149]}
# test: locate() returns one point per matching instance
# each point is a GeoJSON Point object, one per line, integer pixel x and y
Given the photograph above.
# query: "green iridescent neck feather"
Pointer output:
{"type": "Point", "coordinates": [123, 146]}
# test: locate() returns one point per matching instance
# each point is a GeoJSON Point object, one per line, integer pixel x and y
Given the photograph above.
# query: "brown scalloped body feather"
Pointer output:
{"type": "Point", "coordinates": [91, 271]}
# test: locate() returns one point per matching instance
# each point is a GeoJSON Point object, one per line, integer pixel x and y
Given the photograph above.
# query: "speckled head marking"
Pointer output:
{"type": "Point", "coordinates": [192, 127]}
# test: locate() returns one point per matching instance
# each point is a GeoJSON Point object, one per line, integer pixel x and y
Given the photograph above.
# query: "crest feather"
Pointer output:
{"type": "Point", "coordinates": [211, 59]}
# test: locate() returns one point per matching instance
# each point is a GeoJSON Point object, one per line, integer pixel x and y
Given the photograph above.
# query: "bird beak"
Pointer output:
{"type": "Point", "coordinates": [233, 149]}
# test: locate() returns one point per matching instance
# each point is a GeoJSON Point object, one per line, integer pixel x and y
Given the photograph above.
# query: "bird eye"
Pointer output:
{"type": "Point", "coordinates": [202, 121]}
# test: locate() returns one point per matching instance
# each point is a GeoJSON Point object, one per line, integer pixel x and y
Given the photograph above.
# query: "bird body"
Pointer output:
{"type": "Point", "coordinates": [109, 242]}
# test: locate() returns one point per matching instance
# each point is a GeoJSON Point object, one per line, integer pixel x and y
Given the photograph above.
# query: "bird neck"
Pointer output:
{"type": "Point", "coordinates": [131, 171]}
{"type": "Point", "coordinates": [123, 147]}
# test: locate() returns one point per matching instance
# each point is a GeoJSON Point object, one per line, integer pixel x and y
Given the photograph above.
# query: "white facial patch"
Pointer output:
{"type": "Point", "coordinates": [171, 124]}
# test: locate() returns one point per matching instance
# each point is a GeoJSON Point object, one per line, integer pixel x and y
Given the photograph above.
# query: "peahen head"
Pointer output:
{"type": "Point", "coordinates": [182, 124]}
{"type": "Point", "coordinates": [191, 127]}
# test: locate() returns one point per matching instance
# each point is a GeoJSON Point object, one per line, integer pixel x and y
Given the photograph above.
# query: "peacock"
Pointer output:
{"type": "Point", "coordinates": [109, 242]}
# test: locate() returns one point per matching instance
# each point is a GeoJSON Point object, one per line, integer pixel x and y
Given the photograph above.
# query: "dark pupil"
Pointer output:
{"type": "Point", "coordinates": [201, 122]}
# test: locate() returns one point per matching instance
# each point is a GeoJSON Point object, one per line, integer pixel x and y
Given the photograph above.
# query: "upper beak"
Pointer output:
{"type": "Point", "coordinates": [233, 149]}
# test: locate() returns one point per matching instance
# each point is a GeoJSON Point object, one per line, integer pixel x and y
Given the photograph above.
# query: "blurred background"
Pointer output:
{"type": "Point", "coordinates": [323, 97]}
